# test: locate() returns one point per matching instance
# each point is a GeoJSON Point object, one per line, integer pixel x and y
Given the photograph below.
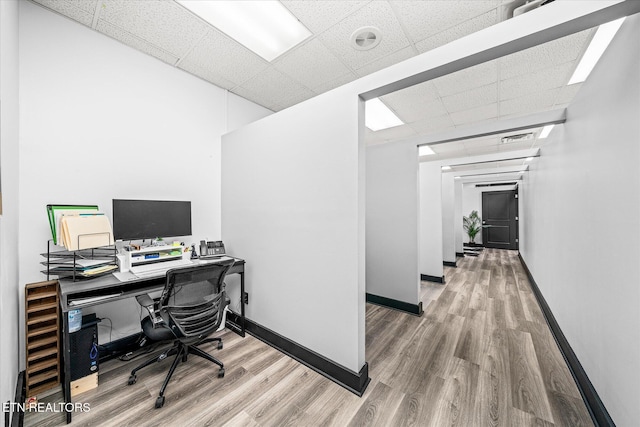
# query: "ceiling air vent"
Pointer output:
{"type": "Point", "coordinates": [529, 6]}
{"type": "Point", "coordinates": [517, 138]}
{"type": "Point", "coordinates": [496, 184]}
{"type": "Point", "coordinates": [365, 38]}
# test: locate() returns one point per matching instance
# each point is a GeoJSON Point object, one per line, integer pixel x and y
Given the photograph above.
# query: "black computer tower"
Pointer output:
{"type": "Point", "coordinates": [84, 348]}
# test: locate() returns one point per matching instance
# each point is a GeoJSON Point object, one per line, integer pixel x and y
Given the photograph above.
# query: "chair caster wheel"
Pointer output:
{"type": "Point", "coordinates": [132, 380]}
{"type": "Point", "coordinates": [221, 373]}
{"type": "Point", "coordinates": [220, 345]}
{"type": "Point", "coordinates": [159, 402]}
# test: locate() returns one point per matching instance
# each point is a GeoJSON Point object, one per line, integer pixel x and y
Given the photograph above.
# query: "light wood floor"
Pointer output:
{"type": "Point", "coordinates": [481, 355]}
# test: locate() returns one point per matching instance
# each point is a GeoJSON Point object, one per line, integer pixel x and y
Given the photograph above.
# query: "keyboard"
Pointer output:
{"type": "Point", "coordinates": [158, 268]}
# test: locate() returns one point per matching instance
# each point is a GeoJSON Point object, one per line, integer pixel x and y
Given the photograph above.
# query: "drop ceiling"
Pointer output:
{"type": "Point", "coordinates": [527, 82]}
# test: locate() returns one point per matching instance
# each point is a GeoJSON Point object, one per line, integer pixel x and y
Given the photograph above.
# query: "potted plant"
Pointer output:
{"type": "Point", "coordinates": [472, 225]}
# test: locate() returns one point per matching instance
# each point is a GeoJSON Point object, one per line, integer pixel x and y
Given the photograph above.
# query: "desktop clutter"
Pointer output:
{"type": "Point", "coordinates": [84, 246]}
{"type": "Point", "coordinates": [94, 248]}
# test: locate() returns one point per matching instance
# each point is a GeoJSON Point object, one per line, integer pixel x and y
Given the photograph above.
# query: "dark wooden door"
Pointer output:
{"type": "Point", "coordinates": [500, 214]}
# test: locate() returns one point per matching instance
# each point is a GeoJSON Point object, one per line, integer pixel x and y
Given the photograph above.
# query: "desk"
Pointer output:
{"type": "Point", "coordinates": [107, 289]}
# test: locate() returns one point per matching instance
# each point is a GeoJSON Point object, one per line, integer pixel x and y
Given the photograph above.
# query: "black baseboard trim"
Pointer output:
{"type": "Point", "coordinates": [414, 309]}
{"type": "Point", "coordinates": [17, 415]}
{"type": "Point", "coordinates": [354, 382]}
{"type": "Point", "coordinates": [599, 414]}
{"type": "Point", "coordinates": [432, 278]}
{"type": "Point", "coordinates": [460, 254]}
{"type": "Point", "coordinates": [450, 263]}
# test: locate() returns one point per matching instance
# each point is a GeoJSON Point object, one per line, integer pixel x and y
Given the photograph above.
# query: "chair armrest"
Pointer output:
{"type": "Point", "coordinates": [145, 301]}
{"type": "Point", "coordinates": [148, 303]}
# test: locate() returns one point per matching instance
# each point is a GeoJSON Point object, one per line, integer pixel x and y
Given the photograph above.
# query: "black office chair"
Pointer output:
{"type": "Point", "coordinates": [189, 310]}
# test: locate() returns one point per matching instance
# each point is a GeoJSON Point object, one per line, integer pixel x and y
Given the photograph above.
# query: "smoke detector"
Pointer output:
{"type": "Point", "coordinates": [365, 38]}
{"type": "Point", "coordinates": [517, 138]}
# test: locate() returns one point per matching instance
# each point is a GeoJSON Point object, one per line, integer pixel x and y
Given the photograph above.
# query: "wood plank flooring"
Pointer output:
{"type": "Point", "coordinates": [481, 355]}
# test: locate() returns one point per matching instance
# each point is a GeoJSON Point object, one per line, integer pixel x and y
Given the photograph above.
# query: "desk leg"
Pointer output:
{"type": "Point", "coordinates": [66, 353]}
{"type": "Point", "coordinates": [242, 325]}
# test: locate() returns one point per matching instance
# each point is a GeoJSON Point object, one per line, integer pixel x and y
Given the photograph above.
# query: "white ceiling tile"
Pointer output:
{"type": "Point", "coordinates": [546, 55]}
{"type": "Point", "coordinates": [81, 11]}
{"type": "Point", "coordinates": [238, 64]}
{"type": "Point", "coordinates": [548, 78]}
{"type": "Point", "coordinates": [463, 29]}
{"type": "Point", "coordinates": [483, 95]}
{"type": "Point", "coordinates": [476, 151]}
{"type": "Point", "coordinates": [532, 103]}
{"type": "Point", "coordinates": [415, 94]}
{"type": "Point", "coordinates": [422, 19]}
{"type": "Point", "coordinates": [134, 42]}
{"type": "Point", "coordinates": [482, 142]}
{"type": "Point", "coordinates": [336, 82]}
{"type": "Point", "coordinates": [276, 89]}
{"type": "Point", "coordinates": [165, 24]}
{"type": "Point", "coordinates": [318, 15]}
{"type": "Point", "coordinates": [469, 78]}
{"type": "Point", "coordinates": [410, 111]}
{"type": "Point", "coordinates": [209, 74]}
{"type": "Point", "coordinates": [474, 115]}
{"type": "Point", "coordinates": [257, 98]}
{"type": "Point", "coordinates": [447, 147]}
{"type": "Point", "coordinates": [387, 61]}
{"type": "Point", "coordinates": [433, 125]}
{"type": "Point", "coordinates": [312, 64]}
{"type": "Point", "coordinates": [376, 13]}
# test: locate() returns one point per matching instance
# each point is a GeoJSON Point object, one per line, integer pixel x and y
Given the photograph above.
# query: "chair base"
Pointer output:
{"type": "Point", "coordinates": [182, 351]}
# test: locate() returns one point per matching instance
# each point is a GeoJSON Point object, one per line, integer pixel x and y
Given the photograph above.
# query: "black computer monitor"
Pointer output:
{"type": "Point", "coordinates": [149, 219]}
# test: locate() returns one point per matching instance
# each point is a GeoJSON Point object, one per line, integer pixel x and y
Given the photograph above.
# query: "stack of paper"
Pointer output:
{"type": "Point", "coordinates": [82, 267]}
{"type": "Point", "coordinates": [85, 230]}
{"type": "Point", "coordinates": [55, 213]}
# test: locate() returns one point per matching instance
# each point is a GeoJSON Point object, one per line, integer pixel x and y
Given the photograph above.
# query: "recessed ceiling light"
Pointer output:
{"type": "Point", "coordinates": [528, 159]}
{"type": "Point", "coordinates": [598, 45]}
{"type": "Point", "coordinates": [378, 116]}
{"type": "Point", "coordinates": [545, 131]}
{"type": "Point", "coordinates": [446, 168]}
{"type": "Point", "coordinates": [266, 27]}
{"type": "Point", "coordinates": [425, 150]}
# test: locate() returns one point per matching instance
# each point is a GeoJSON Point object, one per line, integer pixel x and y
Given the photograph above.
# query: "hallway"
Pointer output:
{"type": "Point", "coordinates": [482, 354]}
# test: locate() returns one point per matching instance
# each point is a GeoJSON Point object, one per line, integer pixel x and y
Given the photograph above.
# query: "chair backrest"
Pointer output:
{"type": "Point", "coordinates": [194, 297]}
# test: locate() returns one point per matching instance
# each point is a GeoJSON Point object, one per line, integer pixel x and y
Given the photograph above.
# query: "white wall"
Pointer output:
{"type": "Point", "coordinates": [293, 207]}
{"type": "Point", "coordinates": [9, 155]}
{"type": "Point", "coordinates": [430, 226]}
{"type": "Point", "coordinates": [582, 208]}
{"type": "Point", "coordinates": [457, 217]}
{"type": "Point", "coordinates": [448, 218]}
{"type": "Point", "coordinates": [392, 222]}
{"type": "Point", "coordinates": [100, 120]}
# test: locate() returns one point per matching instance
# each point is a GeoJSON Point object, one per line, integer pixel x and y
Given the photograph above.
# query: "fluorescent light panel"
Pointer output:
{"type": "Point", "coordinates": [425, 150]}
{"type": "Point", "coordinates": [598, 45]}
{"type": "Point", "coordinates": [378, 116]}
{"type": "Point", "coordinates": [266, 27]}
{"type": "Point", "coordinates": [545, 131]}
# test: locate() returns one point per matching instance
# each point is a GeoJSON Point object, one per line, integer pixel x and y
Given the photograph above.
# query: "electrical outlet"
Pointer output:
{"type": "Point", "coordinates": [246, 298]}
